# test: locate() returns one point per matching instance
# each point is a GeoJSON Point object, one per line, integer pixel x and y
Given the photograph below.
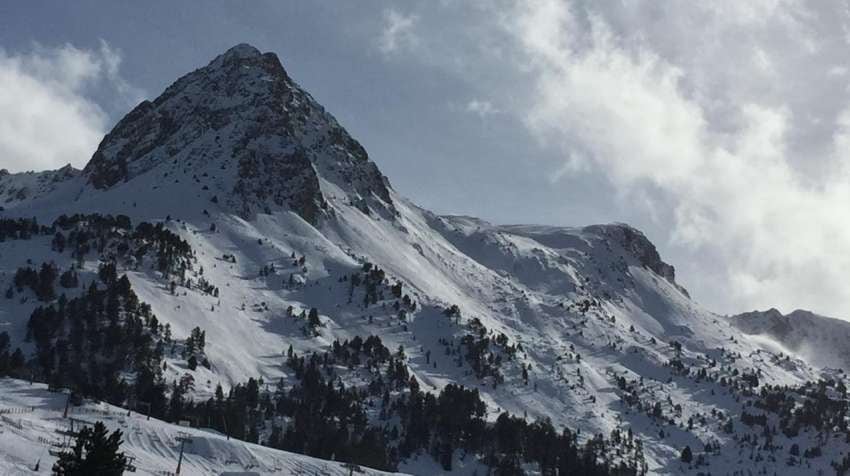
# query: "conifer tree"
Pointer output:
{"type": "Point", "coordinates": [687, 455]}
{"type": "Point", "coordinates": [94, 452]}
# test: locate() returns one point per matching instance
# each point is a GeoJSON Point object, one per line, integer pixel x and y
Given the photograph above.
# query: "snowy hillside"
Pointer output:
{"type": "Point", "coordinates": [31, 416]}
{"type": "Point", "coordinates": [29, 187]}
{"type": "Point", "coordinates": [241, 210]}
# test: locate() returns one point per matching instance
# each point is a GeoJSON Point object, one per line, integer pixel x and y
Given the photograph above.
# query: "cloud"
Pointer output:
{"type": "Point", "coordinates": [725, 125]}
{"type": "Point", "coordinates": [397, 31]}
{"type": "Point", "coordinates": [111, 63]}
{"type": "Point", "coordinates": [481, 108]}
{"type": "Point", "coordinates": [719, 130]}
{"type": "Point", "coordinates": [47, 115]}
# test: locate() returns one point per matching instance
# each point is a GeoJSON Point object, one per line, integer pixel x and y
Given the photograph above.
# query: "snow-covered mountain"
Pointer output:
{"type": "Point", "coordinates": [819, 340]}
{"type": "Point", "coordinates": [240, 207]}
{"type": "Point", "coordinates": [238, 134]}
{"type": "Point", "coordinates": [31, 186]}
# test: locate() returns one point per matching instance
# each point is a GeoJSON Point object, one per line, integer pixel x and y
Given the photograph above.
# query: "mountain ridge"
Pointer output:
{"type": "Point", "coordinates": [818, 339]}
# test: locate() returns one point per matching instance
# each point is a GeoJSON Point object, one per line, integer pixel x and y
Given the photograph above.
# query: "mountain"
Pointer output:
{"type": "Point", "coordinates": [29, 187]}
{"type": "Point", "coordinates": [238, 135]}
{"type": "Point", "coordinates": [819, 340]}
{"type": "Point", "coordinates": [265, 252]}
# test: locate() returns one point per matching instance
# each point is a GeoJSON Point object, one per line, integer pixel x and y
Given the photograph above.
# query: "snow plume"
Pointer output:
{"type": "Point", "coordinates": [48, 117]}
{"type": "Point", "coordinates": [724, 112]}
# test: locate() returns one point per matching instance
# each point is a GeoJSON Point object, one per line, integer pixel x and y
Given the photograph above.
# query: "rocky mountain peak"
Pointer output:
{"type": "Point", "coordinates": [242, 120]}
{"type": "Point", "coordinates": [242, 50]}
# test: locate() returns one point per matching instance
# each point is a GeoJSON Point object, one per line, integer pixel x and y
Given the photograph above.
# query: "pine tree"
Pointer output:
{"type": "Point", "coordinates": [313, 319]}
{"type": "Point", "coordinates": [46, 277]}
{"type": "Point", "coordinates": [69, 279]}
{"type": "Point", "coordinates": [176, 403]}
{"type": "Point", "coordinates": [17, 360]}
{"type": "Point", "coordinates": [4, 352]}
{"type": "Point", "coordinates": [93, 453]}
{"type": "Point", "coordinates": [687, 455]}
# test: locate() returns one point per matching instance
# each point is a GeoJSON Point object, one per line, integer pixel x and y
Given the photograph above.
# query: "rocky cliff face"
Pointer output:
{"type": "Point", "coordinates": [243, 119]}
{"type": "Point", "coordinates": [639, 246]}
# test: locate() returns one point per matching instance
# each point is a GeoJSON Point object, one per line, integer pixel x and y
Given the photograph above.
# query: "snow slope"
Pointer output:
{"type": "Point", "coordinates": [30, 416]}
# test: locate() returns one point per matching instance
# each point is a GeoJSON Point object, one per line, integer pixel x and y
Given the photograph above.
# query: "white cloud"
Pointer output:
{"type": "Point", "coordinates": [111, 64]}
{"type": "Point", "coordinates": [481, 108]}
{"type": "Point", "coordinates": [47, 116]}
{"type": "Point", "coordinates": [397, 31]}
{"type": "Point", "coordinates": [709, 135]}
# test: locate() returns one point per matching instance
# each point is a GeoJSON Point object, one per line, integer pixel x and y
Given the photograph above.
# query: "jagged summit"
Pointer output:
{"type": "Point", "coordinates": [247, 55]}
{"type": "Point", "coordinates": [242, 50]}
{"type": "Point", "coordinates": [261, 141]}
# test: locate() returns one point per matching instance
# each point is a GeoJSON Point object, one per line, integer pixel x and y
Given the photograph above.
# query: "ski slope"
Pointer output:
{"type": "Point", "coordinates": [30, 415]}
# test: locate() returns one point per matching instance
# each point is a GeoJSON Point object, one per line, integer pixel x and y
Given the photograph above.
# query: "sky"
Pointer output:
{"type": "Point", "coordinates": [721, 128]}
